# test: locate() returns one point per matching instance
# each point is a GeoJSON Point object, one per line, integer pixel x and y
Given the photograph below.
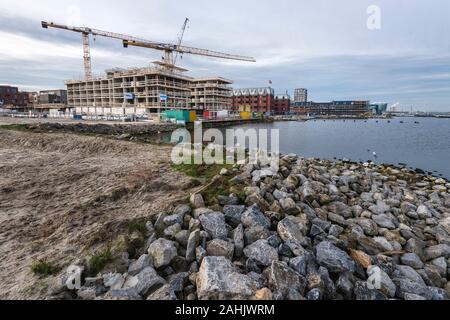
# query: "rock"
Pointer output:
{"type": "Point", "coordinates": [440, 250]}
{"type": "Point", "coordinates": [263, 294]}
{"type": "Point", "coordinates": [218, 278]}
{"type": "Point", "coordinates": [333, 258]}
{"type": "Point", "coordinates": [384, 221]}
{"type": "Point", "coordinates": [200, 254]}
{"type": "Point", "coordinates": [369, 227]}
{"type": "Point", "coordinates": [87, 293]}
{"type": "Point", "coordinates": [335, 231]}
{"type": "Point", "coordinates": [238, 239]}
{"type": "Point", "coordinates": [214, 224]}
{"type": "Point", "coordinates": [288, 205]}
{"type": "Point", "coordinates": [114, 281]}
{"type": "Point", "coordinates": [380, 208]}
{"type": "Point", "coordinates": [414, 297]}
{"type": "Point", "coordinates": [144, 282]}
{"type": "Point", "coordinates": [365, 291]}
{"type": "Point", "coordinates": [412, 260]}
{"type": "Point", "coordinates": [423, 212]}
{"type": "Point", "coordinates": [290, 229]}
{"type": "Point", "coordinates": [381, 281]}
{"type": "Point", "coordinates": [405, 286]}
{"type": "Point", "coordinates": [170, 232]}
{"type": "Point", "coordinates": [383, 244]}
{"type": "Point", "coordinates": [341, 209]}
{"type": "Point", "coordinates": [262, 252]}
{"type": "Point", "coordinates": [220, 248]}
{"type": "Point", "coordinates": [233, 214]}
{"type": "Point", "coordinates": [143, 262]}
{"type": "Point", "coordinates": [193, 242]}
{"type": "Point", "coordinates": [363, 259]}
{"type": "Point", "coordinates": [165, 293]}
{"type": "Point", "coordinates": [174, 219]}
{"type": "Point", "coordinates": [409, 273]}
{"type": "Point", "coordinates": [438, 294]}
{"type": "Point", "coordinates": [283, 279]}
{"type": "Point", "coordinates": [182, 238]}
{"type": "Point", "coordinates": [344, 286]}
{"type": "Point", "coordinates": [258, 200]}
{"type": "Point", "coordinates": [162, 251]}
{"type": "Point", "coordinates": [254, 217]}
{"type": "Point", "coordinates": [197, 201]}
{"type": "Point", "coordinates": [223, 172]}
{"type": "Point", "coordinates": [255, 233]}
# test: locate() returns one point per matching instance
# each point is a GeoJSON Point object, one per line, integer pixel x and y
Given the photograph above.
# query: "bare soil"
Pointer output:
{"type": "Point", "coordinates": [63, 194]}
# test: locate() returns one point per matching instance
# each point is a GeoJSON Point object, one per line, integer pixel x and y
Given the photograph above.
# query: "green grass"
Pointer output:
{"type": "Point", "coordinates": [16, 127]}
{"type": "Point", "coordinates": [43, 268]}
{"type": "Point", "coordinates": [138, 226]}
{"type": "Point", "coordinates": [99, 261]}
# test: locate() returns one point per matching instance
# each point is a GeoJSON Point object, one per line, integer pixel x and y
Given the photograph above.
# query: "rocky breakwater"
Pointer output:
{"type": "Point", "coordinates": [312, 230]}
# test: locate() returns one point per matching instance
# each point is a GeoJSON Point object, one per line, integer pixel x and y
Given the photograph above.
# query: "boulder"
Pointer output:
{"type": "Point", "coordinates": [218, 278]}
{"type": "Point", "coordinates": [254, 217]}
{"type": "Point", "coordinates": [333, 258]}
{"type": "Point", "coordinates": [162, 251]}
{"type": "Point", "coordinates": [220, 248]}
{"type": "Point", "coordinates": [214, 224]}
{"type": "Point", "coordinates": [262, 252]}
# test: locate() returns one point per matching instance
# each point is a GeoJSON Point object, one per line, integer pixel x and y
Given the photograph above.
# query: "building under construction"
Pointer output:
{"type": "Point", "coordinates": [147, 91]}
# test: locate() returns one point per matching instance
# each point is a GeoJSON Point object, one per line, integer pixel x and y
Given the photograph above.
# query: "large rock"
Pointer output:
{"type": "Point", "coordinates": [254, 217]}
{"type": "Point", "coordinates": [238, 239]}
{"type": "Point", "coordinates": [214, 224]}
{"type": "Point", "coordinates": [440, 250]}
{"type": "Point", "coordinates": [165, 293]}
{"type": "Point", "coordinates": [233, 214]}
{"type": "Point", "coordinates": [162, 251]}
{"type": "Point", "coordinates": [262, 252]}
{"type": "Point", "coordinates": [144, 282]}
{"type": "Point", "coordinates": [283, 279]}
{"type": "Point", "coordinates": [333, 258]}
{"type": "Point", "coordinates": [412, 260]}
{"type": "Point", "coordinates": [381, 281]}
{"type": "Point", "coordinates": [291, 228]}
{"type": "Point", "coordinates": [384, 221]}
{"type": "Point", "coordinates": [193, 241]}
{"type": "Point", "coordinates": [137, 266]}
{"type": "Point", "coordinates": [220, 248]}
{"type": "Point", "coordinates": [218, 279]}
{"type": "Point", "coordinates": [197, 201]}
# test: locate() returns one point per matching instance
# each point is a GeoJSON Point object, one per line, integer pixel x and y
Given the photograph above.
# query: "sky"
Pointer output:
{"type": "Point", "coordinates": [399, 53]}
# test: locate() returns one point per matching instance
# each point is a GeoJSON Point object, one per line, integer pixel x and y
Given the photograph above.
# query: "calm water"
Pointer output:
{"type": "Point", "coordinates": [425, 145]}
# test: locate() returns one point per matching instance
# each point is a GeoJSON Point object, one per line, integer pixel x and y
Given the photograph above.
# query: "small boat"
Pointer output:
{"type": "Point", "coordinates": [402, 122]}
{"type": "Point", "coordinates": [416, 122]}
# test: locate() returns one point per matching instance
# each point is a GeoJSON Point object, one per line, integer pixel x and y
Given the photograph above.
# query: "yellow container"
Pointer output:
{"type": "Point", "coordinates": [246, 115]}
{"type": "Point", "coordinates": [192, 116]}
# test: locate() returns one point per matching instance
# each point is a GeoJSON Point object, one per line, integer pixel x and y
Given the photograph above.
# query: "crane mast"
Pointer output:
{"type": "Point", "coordinates": [169, 49]}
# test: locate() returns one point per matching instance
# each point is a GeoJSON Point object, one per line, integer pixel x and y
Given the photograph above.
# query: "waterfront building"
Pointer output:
{"type": "Point", "coordinates": [281, 104]}
{"type": "Point", "coordinates": [254, 100]}
{"type": "Point", "coordinates": [333, 108]}
{"type": "Point", "coordinates": [300, 95]}
{"type": "Point", "coordinates": [378, 108]}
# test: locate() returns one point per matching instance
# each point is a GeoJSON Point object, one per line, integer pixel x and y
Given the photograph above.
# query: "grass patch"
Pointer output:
{"type": "Point", "coordinates": [43, 268]}
{"type": "Point", "coordinates": [99, 261]}
{"type": "Point", "coordinates": [138, 226]}
{"type": "Point", "coordinates": [15, 127]}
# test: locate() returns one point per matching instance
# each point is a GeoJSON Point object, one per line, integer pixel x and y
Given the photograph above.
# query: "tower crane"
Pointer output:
{"type": "Point", "coordinates": [180, 39]}
{"type": "Point", "coordinates": [127, 40]}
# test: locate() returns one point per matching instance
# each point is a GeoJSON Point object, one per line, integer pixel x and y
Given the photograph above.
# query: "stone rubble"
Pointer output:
{"type": "Point", "coordinates": [316, 229]}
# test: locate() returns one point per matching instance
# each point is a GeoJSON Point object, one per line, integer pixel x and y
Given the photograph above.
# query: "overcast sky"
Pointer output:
{"type": "Point", "coordinates": [322, 45]}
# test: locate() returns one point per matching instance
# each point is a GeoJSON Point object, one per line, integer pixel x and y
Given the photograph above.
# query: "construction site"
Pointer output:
{"type": "Point", "coordinates": [147, 92]}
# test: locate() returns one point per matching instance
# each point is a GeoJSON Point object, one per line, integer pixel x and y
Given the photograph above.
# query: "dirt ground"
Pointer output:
{"type": "Point", "coordinates": [62, 194]}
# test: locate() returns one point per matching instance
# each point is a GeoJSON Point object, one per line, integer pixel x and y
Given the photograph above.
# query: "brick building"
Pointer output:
{"type": "Point", "coordinates": [281, 104]}
{"type": "Point", "coordinates": [10, 96]}
{"type": "Point", "coordinates": [254, 99]}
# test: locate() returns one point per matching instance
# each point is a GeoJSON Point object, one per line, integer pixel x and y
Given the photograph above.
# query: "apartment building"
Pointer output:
{"type": "Point", "coordinates": [333, 108]}
{"type": "Point", "coordinates": [211, 94]}
{"type": "Point", "coordinates": [253, 99]}
{"type": "Point", "coordinates": [281, 104]}
{"type": "Point", "coordinates": [301, 95]}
